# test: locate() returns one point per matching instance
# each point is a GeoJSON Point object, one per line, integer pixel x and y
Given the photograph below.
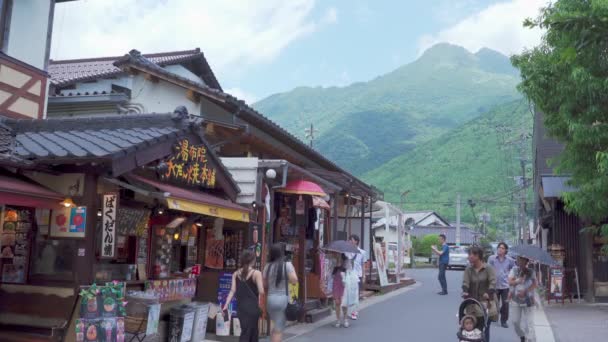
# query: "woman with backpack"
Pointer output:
{"type": "Point", "coordinates": [247, 284]}
{"type": "Point", "coordinates": [278, 273]}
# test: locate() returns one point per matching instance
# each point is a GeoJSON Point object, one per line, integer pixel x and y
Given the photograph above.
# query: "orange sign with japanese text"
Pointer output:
{"type": "Point", "coordinates": [189, 164]}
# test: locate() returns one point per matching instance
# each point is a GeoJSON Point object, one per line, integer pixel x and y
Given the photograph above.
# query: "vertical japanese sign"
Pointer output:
{"type": "Point", "coordinates": [108, 234]}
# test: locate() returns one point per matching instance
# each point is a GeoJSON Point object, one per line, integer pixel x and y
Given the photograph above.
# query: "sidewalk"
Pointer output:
{"type": "Point", "coordinates": [578, 322]}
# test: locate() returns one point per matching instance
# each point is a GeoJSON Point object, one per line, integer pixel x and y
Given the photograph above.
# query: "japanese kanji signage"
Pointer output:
{"type": "Point", "coordinates": [189, 164]}
{"type": "Point", "coordinates": [108, 233]}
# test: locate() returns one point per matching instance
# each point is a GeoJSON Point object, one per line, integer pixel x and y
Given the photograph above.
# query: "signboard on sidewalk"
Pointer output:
{"type": "Point", "coordinates": [380, 264]}
{"type": "Point", "coordinates": [557, 282]}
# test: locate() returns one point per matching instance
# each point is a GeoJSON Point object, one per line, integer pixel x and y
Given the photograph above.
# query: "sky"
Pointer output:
{"type": "Point", "coordinates": [259, 48]}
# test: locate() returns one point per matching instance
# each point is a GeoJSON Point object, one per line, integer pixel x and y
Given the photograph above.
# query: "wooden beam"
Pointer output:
{"type": "Point", "coordinates": [151, 78]}
{"type": "Point", "coordinates": [210, 129]}
{"type": "Point", "coordinates": [193, 96]}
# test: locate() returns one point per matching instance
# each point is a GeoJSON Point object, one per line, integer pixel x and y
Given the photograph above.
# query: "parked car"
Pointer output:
{"type": "Point", "coordinates": [459, 257]}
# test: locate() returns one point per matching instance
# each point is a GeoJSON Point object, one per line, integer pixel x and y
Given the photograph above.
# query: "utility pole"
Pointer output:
{"type": "Point", "coordinates": [310, 133]}
{"type": "Point", "coordinates": [458, 220]}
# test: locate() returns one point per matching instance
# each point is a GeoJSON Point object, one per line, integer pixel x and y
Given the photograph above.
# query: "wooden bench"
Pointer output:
{"type": "Point", "coordinates": [35, 313]}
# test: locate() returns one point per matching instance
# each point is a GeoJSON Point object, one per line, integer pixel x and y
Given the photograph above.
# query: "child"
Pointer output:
{"type": "Point", "coordinates": [338, 291]}
{"type": "Point", "coordinates": [469, 332]}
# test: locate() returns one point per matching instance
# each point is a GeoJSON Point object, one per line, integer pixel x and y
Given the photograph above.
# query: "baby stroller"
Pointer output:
{"type": "Point", "coordinates": [465, 309]}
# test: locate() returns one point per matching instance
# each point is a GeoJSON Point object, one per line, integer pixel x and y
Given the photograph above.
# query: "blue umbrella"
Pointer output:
{"type": "Point", "coordinates": [534, 253]}
{"type": "Point", "coordinates": [341, 246]}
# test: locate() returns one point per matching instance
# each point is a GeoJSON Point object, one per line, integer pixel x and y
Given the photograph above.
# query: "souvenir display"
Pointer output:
{"type": "Point", "coordinates": [172, 289]}
{"type": "Point", "coordinates": [102, 314]}
{"type": "Point", "coordinates": [233, 247]}
{"type": "Point", "coordinates": [163, 238]}
{"type": "Point", "coordinates": [100, 330]}
{"type": "Point", "coordinates": [15, 243]}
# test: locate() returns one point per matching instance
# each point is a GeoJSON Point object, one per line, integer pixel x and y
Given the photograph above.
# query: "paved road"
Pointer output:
{"type": "Point", "coordinates": [417, 315]}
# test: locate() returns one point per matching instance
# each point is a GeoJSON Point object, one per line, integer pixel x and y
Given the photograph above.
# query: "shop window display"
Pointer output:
{"type": "Point", "coordinates": [17, 225]}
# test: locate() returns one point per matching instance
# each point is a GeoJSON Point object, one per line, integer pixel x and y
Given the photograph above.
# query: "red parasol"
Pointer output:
{"type": "Point", "coordinates": [302, 187]}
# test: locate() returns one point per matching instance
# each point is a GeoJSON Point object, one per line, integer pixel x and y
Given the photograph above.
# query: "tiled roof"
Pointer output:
{"type": "Point", "coordinates": [93, 137]}
{"type": "Point", "coordinates": [5, 139]}
{"type": "Point", "coordinates": [67, 72]}
{"type": "Point", "coordinates": [136, 59]}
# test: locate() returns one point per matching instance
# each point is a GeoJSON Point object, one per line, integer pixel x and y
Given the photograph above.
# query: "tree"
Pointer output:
{"type": "Point", "coordinates": [566, 77]}
{"type": "Point", "coordinates": [426, 243]}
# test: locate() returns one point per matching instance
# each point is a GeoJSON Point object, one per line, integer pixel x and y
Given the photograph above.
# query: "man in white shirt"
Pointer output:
{"type": "Point", "coordinates": [358, 261]}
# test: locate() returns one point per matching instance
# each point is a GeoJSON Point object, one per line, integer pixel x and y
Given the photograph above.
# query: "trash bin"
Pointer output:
{"type": "Point", "coordinates": [201, 311]}
{"type": "Point", "coordinates": [180, 326]}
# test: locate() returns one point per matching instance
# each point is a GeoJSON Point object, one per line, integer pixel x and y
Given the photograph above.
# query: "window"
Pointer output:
{"type": "Point", "coordinates": [5, 22]}
{"type": "Point", "coordinates": [53, 258]}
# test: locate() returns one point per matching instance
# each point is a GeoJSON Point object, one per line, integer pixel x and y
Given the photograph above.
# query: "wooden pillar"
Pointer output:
{"type": "Point", "coordinates": [362, 236]}
{"type": "Point", "coordinates": [334, 218]}
{"type": "Point", "coordinates": [84, 265]}
{"type": "Point", "coordinates": [371, 237]}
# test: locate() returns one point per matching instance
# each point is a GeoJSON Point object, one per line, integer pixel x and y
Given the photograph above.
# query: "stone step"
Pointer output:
{"type": "Point", "coordinates": [317, 315]}
{"type": "Point", "coordinates": [312, 304]}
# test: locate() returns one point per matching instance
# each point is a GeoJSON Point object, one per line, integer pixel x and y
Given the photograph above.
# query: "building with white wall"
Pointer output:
{"type": "Point", "coordinates": [25, 43]}
{"type": "Point", "coordinates": [95, 86]}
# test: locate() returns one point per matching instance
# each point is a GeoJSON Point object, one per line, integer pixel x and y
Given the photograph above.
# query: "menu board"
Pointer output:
{"type": "Point", "coordinates": [14, 243]}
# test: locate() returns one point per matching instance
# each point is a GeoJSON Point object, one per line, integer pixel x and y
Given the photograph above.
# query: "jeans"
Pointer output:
{"type": "Point", "coordinates": [503, 299]}
{"type": "Point", "coordinates": [521, 317]}
{"type": "Point", "coordinates": [441, 277]}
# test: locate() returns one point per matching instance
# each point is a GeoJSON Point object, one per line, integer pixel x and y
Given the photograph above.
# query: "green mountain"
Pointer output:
{"type": "Point", "coordinates": [364, 125]}
{"type": "Point", "coordinates": [478, 160]}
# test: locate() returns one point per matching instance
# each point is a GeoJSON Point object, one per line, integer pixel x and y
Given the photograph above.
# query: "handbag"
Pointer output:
{"type": "Point", "coordinates": [492, 310]}
{"type": "Point", "coordinates": [294, 308]}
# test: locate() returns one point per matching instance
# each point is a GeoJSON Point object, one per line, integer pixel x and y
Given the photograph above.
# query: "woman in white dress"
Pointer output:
{"type": "Point", "coordinates": [350, 297]}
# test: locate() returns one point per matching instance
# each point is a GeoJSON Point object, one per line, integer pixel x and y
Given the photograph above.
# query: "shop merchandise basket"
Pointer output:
{"type": "Point", "coordinates": [467, 307]}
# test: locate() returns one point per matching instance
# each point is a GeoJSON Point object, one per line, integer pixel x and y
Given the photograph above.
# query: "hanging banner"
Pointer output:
{"type": "Point", "coordinates": [108, 234]}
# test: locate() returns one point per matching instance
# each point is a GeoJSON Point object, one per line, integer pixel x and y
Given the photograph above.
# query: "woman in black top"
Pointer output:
{"type": "Point", "coordinates": [248, 285]}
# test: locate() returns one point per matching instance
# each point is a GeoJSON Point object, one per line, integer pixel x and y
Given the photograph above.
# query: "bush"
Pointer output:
{"type": "Point", "coordinates": [426, 243]}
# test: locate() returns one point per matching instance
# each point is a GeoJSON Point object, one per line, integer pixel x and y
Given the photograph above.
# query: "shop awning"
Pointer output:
{"type": "Point", "coordinates": [14, 191]}
{"type": "Point", "coordinates": [302, 187]}
{"type": "Point", "coordinates": [198, 202]}
{"type": "Point", "coordinates": [555, 186]}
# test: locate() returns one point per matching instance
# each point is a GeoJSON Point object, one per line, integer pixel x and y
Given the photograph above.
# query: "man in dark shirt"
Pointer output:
{"type": "Point", "coordinates": [444, 259]}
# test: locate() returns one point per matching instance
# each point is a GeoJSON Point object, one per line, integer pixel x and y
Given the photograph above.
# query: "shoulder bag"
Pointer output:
{"type": "Point", "coordinates": [294, 309]}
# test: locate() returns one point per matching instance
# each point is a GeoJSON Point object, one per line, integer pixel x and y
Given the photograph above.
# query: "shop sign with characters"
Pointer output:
{"type": "Point", "coordinates": [189, 164]}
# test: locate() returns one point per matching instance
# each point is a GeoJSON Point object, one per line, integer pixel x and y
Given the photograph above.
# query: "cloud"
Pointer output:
{"type": "Point", "coordinates": [331, 16]}
{"type": "Point", "coordinates": [233, 35]}
{"type": "Point", "coordinates": [242, 95]}
{"type": "Point", "coordinates": [498, 27]}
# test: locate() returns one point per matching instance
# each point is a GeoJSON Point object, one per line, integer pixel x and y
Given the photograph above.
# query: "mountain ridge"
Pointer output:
{"type": "Point", "coordinates": [445, 87]}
